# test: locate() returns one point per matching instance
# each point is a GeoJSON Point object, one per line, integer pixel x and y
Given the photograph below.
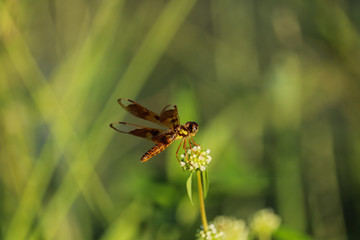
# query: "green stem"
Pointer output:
{"type": "Point", "coordinates": [201, 201]}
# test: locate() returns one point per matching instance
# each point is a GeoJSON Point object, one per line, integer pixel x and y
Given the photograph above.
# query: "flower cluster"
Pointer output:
{"type": "Point", "coordinates": [233, 229]}
{"type": "Point", "coordinates": [264, 223]}
{"type": "Point", "coordinates": [211, 234]}
{"type": "Point", "coordinates": [195, 159]}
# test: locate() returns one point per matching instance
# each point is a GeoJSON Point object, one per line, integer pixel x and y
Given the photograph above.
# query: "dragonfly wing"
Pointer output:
{"type": "Point", "coordinates": [151, 134]}
{"type": "Point", "coordinates": [139, 111]}
{"type": "Point", "coordinates": [169, 116]}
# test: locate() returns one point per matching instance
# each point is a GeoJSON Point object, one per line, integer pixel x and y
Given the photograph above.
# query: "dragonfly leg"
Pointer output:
{"type": "Point", "coordinates": [194, 142]}
{"type": "Point", "coordinates": [177, 151]}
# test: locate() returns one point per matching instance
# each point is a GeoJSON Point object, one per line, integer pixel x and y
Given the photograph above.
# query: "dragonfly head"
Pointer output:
{"type": "Point", "coordinates": [192, 127]}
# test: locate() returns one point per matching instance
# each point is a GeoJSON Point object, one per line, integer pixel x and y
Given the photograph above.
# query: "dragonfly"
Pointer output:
{"type": "Point", "coordinates": [168, 118]}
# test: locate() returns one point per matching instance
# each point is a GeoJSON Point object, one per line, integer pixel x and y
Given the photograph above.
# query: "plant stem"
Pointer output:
{"type": "Point", "coordinates": [201, 201]}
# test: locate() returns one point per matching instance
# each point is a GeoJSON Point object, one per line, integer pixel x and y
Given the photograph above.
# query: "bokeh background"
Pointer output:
{"type": "Point", "coordinates": [274, 86]}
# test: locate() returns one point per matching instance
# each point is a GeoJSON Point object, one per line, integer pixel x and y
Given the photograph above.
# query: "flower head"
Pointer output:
{"type": "Point", "coordinates": [211, 234]}
{"type": "Point", "coordinates": [264, 223]}
{"type": "Point", "coordinates": [233, 229]}
{"type": "Point", "coordinates": [195, 159]}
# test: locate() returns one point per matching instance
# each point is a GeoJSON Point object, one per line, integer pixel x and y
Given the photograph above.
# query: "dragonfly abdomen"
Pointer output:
{"type": "Point", "coordinates": [155, 150]}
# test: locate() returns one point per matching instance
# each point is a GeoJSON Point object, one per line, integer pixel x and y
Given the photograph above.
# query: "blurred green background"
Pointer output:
{"type": "Point", "coordinates": [274, 86]}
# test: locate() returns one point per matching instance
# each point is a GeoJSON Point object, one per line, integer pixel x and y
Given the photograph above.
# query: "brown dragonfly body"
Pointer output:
{"type": "Point", "coordinates": [162, 138]}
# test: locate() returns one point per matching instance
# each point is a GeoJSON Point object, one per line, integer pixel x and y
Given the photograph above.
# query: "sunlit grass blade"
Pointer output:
{"type": "Point", "coordinates": [142, 64]}
{"type": "Point", "coordinates": [53, 115]}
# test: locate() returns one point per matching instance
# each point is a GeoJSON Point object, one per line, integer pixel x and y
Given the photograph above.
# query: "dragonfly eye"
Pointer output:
{"type": "Point", "coordinates": [193, 127]}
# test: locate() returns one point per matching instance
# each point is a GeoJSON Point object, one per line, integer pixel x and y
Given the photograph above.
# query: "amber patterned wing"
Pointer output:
{"type": "Point", "coordinates": [168, 117]}
{"type": "Point", "coordinates": [151, 134]}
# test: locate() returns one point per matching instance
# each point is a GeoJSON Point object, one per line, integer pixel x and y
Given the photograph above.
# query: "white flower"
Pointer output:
{"type": "Point", "coordinates": [211, 234]}
{"type": "Point", "coordinates": [195, 159]}
{"type": "Point", "coordinates": [233, 229]}
{"type": "Point", "coordinates": [264, 223]}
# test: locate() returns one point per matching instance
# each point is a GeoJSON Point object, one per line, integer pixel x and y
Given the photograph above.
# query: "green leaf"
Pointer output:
{"type": "Point", "coordinates": [205, 182]}
{"type": "Point", "coordinates": [189, 187]}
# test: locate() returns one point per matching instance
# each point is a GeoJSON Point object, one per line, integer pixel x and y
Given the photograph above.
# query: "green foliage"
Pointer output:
{"type": "Point", "coordinates": [205, 182]}
{"type": "Point", "coordinates": [273, 86]}
{"type": "Point", "coordinates": [189, 187]}
{"type": "Point", "coordinates": [285, 233]}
